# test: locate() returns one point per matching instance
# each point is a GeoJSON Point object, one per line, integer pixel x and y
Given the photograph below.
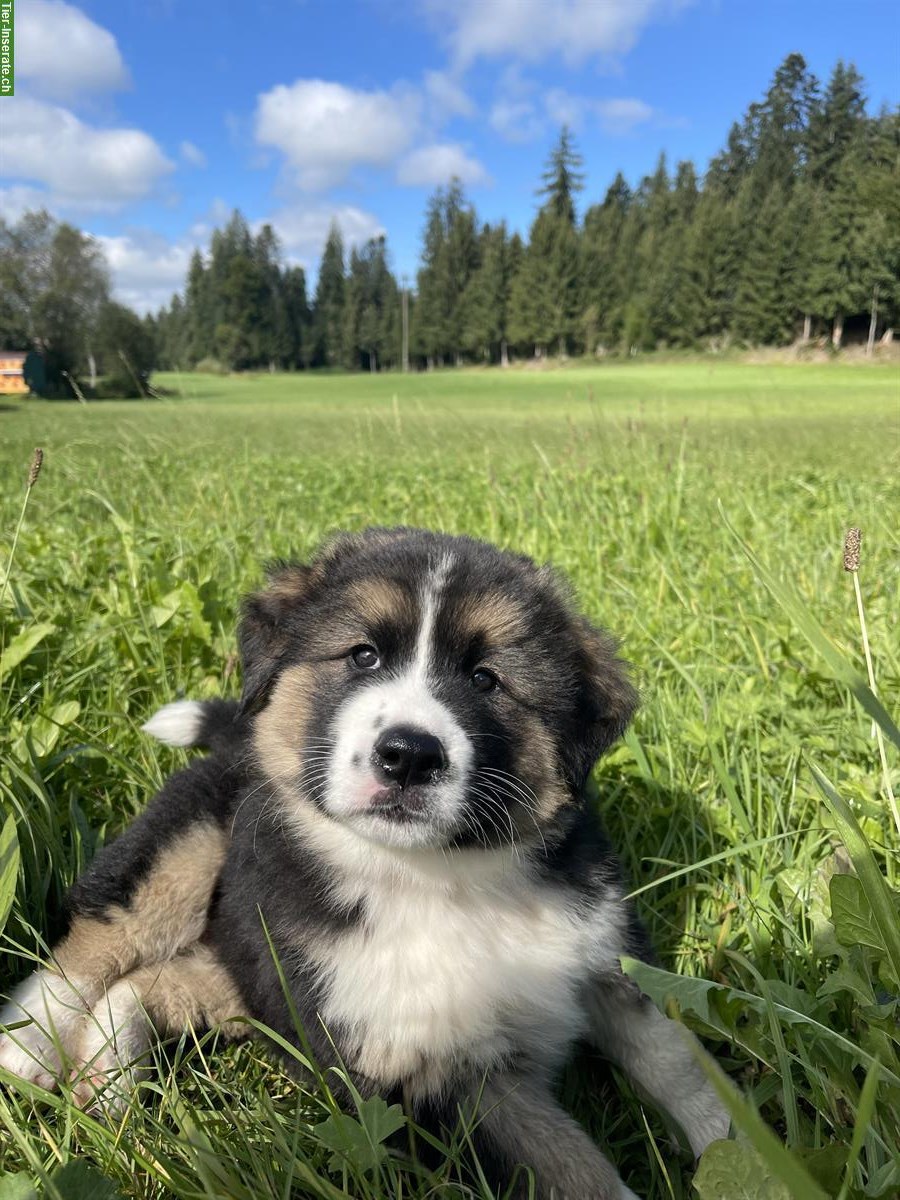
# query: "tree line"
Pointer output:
{"type": "Point", "coordinates": [55, 297]}
{"type": "Point", "coordinates": [793, 232]}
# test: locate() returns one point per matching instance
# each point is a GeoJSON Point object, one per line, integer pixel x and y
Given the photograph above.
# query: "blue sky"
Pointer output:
{"type": "Point", "coordinates": [146, 121]}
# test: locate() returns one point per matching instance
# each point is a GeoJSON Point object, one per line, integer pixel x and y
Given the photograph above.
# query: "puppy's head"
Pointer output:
{"type": "Point", "coordinates": [428, 690]}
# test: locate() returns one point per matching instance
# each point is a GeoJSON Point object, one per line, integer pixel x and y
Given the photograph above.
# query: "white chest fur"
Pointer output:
{"type": "Point", "coordinates": [435, 977]}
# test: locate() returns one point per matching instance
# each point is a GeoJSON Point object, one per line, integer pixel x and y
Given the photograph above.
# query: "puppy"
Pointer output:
{"type": "Point", "coordinates": [392, 823]}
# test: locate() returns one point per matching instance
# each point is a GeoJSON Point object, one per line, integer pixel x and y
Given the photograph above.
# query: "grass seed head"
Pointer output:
{"type": "Point", "coordinates": [37, 461]}
{"type": "Point", "coordinates": [851, 550]}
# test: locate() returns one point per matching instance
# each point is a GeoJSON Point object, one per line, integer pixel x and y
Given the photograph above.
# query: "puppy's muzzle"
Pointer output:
{"type": "Point", "coordinates": [407, 757]}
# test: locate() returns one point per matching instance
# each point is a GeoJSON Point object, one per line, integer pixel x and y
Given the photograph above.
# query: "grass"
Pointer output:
{"type": "Point", "coordinates": [150, 518]}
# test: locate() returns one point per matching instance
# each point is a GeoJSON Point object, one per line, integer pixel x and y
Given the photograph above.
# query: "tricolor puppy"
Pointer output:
{"type": "Point", "coordinates": [401, 795]}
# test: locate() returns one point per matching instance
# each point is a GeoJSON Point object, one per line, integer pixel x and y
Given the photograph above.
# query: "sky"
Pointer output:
{"type": "Point", "coordinates": [145, 122]}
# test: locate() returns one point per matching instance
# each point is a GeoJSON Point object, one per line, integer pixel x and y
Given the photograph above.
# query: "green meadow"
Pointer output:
{"type": "Point", "coordinates": [699, 510]}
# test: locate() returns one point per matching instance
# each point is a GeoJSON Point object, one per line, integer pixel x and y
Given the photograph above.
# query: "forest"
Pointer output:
{"type": "Point", "coordinates": [792, 233]}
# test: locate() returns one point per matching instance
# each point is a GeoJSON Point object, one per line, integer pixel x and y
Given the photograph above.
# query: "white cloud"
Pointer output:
{"type": "Point", "coordinates": [61, 52]}
{"type": "Point", "coordinates": [532, 30]}
{"type": "Point", "coordinates": [516, 120]}
{"type": "Point", "coordinates": [515, 113]}
{"type": "Point", "coordinates": [430, 166]}
{"type": "Point", "coordinates": [19, 199]}
{"type": "Point", "coordinates": [326, 129]}
{"type": "Point", "coordinates": [303, 229]}
{"type": "Point", "coordinates": [522, 113]}
{"type": "Point", "coordinates": [623, 115]}
{"type": "Point", "coordinates": [192, 154]}
{"type": "Point", "coordinates": [562, 108]}
{"type": "Point", "coordinates": [446, 96]}
{"type": "Point", "coordinates": [81, 167]}
{"type": "Point", "coordinates": [146, 268]}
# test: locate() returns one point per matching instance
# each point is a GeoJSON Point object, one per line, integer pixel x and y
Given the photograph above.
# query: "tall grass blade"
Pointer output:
{"type": "Point", "coordinates": [806, 623]}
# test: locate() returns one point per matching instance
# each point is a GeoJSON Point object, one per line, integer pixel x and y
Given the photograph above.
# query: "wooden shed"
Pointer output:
{"type": "Point", "coordinates": [12, 372]}
{"type": "Point", "coordinates": [21, 372]}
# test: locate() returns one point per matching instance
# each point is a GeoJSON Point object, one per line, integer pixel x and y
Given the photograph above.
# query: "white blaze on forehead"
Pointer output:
{"type": "Point", "coordinates": [431, 597]}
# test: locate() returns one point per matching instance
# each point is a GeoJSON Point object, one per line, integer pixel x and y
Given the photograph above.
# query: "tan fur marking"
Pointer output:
{"type": "Point", "coordinates": [378, 600]}
{"type": "Point", "coordinates": [287, 584]}
{"type": "Point", "coordinates": [494, 616]}
{"type": "Point", "coordinates": [280, 727]}
{"type": "Point", "coordinates": [535, 763]}
{"type": "Point", "coordinates": [193, 989]}
{"type": "Point", "coordinates": [167, 912]}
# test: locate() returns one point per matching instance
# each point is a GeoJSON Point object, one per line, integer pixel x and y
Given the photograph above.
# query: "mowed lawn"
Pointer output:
{"type": "Point", "coordinates": [149, 520]}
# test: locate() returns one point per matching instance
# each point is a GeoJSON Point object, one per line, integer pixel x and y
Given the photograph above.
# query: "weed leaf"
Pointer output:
{"type": "Point", "coordinates": [734, 1171]}
{"type": "Point", "coordinates": [358, 1143]}
{"type": "Point", "coordinates": [23, 644]}
{"type": "Point", "coordinates": [882, 907]}
{"type": "Point", "coordinates": [9, 870]}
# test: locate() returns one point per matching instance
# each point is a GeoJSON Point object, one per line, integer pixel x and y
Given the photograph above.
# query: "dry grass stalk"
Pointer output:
{"type": "Point", "coordinates": [34, 470]}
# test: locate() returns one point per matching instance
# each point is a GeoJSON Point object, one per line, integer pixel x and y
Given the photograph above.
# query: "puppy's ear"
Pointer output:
{"type": "Point", "coordinates": [268, 618]}
{"type": "Point", "coordinates": [606, 702]}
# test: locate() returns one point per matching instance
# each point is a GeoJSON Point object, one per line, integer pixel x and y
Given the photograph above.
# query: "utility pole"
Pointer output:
{"type": "Point", "coordinates": [404, 295]}
{"type": "Point", "coordinates": [873, 323]}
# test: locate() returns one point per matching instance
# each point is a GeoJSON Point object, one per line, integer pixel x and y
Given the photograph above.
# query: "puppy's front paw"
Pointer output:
{"type": "Point", "coordinates": [48, 1011]}
{"type": "Point", "coordinates": [711, 1120]}
{"type": "Point", "coordinates": [113, 1052]}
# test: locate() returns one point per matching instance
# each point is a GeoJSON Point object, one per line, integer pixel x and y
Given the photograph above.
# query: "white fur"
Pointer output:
{"type": "Point", "coordinates": [177, 724]}
{"type": "Point", "coordinates": [461, 956]}
{"type": "Point", "coordinates": [56, 1008]}
{"type": "Point", "coordinates": [114, 1049]}
{"type": "Point", "coordinates": [407, 700]}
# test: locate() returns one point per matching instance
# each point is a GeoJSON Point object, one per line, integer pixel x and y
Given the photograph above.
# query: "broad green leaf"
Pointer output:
{"type": "Point", "coordinates": [17, 1187]}
{"type": "Point", "coordinates": [735, 1171]}
{"type": "Point", "coordinates": [358, 1143]}
{"type": "Point", "coordinates": [45, 730]}
{"type": "Point", "coordinates": [78, 1180]}
{"type": "Point", "coordinates": [826, 1165]}
{"type": "Point", "coordinates": [23, 644]}
{"type": "Point", "coordinates": [795, 608]}
{"type": "Point", "coordinates": [9, 870]}
{"type": "Point", "coordinates": [851, 914]}
{"type": "Point", "coordinates": [845, 979]}
{"type": "Point", "coordinates": [880, 899]}
{"type": "Point", "coordinates": [781, 1163]}
{"type": "Point", "coordinates": [691, 995]}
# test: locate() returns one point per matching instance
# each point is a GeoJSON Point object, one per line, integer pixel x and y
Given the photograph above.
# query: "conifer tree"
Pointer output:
{"type": "Point", "coordinates": [328, 307]}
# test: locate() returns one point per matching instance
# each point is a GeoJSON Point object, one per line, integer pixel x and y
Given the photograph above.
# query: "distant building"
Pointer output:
{"type": "Point", "coordinates": [12, 372]}
{"type": "Point", "coordinates": [21, 372]}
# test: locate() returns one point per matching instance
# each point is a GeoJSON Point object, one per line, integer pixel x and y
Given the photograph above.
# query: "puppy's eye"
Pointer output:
{"type": "Point", "coordinates": [365, 657]}
{"type": "Point", "coordinates": [484, 680]}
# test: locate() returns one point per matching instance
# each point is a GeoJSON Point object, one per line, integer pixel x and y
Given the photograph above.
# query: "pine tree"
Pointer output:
{"type": "Point", "coordinates": [562, 178]}
{"type": "Point", "coordinates": [487, 297]}
{"type": "Point", "coordinates": [763, 312]}
{"type": "Point", "coordinates": [328, 307]}
{"type": "Point", "coordinates": [834, 124]}
{"type": "Point", "coordinates": [297, 316]}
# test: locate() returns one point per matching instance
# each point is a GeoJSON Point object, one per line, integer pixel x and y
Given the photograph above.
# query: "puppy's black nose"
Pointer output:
{"type": "Point", "coordinates": [407, 756]}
